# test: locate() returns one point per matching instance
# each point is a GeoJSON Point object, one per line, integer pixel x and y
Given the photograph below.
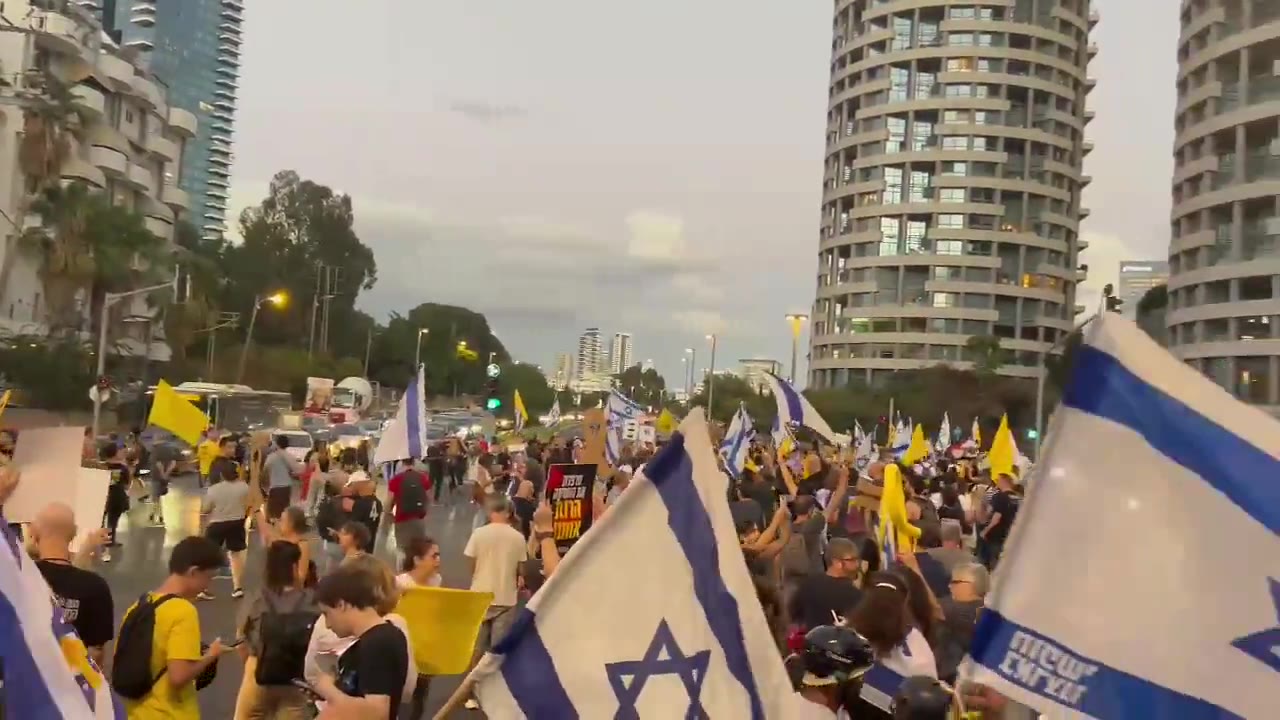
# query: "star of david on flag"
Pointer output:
{"type": "Point", "coordinates": [695, 643]}
{"type": "Point", "coordinates": [1167, 605]}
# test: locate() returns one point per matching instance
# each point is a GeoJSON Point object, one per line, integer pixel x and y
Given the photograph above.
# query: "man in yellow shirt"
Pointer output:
{"type": "Point", "coordinates": [176, 655]}
{"type": "Point", "coordinates": [206, 451]}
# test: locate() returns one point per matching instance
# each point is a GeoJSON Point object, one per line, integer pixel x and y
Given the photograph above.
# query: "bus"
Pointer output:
{"type": "Point", "coordinates": [238, 408]}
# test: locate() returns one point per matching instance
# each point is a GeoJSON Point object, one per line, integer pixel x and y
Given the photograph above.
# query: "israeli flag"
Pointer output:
{"type": "Point", "coordinates": [865, 453]}
{"type": "Point", "coordinates": [1167, 605]}
{"type": "Point", "coordinates": [695, 643]}
{"type": "Point", "coordinates": [794, 408]}
{"type": "Point", "coordinates": [737, 441]}
{"type": "Point", "coordinates": [553, 416]}
{"type": "Point", "coordinates": [944, 435]}
{"type": "Point", "coordinates": [619, 410]}
{"type": "Point", "coordinates": [47, 670]}
{"type": "Point", "coordinates": [901, 439]}
{"type": "Point", "coordinates": [405, 437]}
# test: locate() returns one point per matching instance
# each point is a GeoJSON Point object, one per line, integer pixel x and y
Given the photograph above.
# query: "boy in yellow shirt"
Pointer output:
{"type": "Point", "coordinates": [177, 658]}
{"type": "Point", "coordinates": [206, 451]}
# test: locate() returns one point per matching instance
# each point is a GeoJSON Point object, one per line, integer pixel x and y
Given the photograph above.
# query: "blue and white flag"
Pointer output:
{"type": "Point", "coordinates": [737, 441]}
{"type": "Point", "coordinates": [553, 416]}
{"type": "Point", "coordinates": [901, 438]}
{"type": "Point", "coordinates": [944, 435]}
{"type": "Point", "coordinates": [794, 408]}
{"type": "Point", "coordinates": [405, 437]}
{"type": "Point", "coordinates": [1157, 507]}
{"type": "Point", "coordinates": [619, 410]}
{"type": "Point", "coordinates": [695, 643]}
{"type": "Point", "coordinates": [47, 670]}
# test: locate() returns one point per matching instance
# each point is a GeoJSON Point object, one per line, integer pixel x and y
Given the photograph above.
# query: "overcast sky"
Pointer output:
{"type": "Point", "coordinates": [649, 167]}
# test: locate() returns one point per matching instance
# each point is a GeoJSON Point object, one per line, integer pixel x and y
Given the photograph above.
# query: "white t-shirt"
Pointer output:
{"type": "Point", "coordinates": [405, 581]}
{"type": "Point", "coordinates": [498, 550]}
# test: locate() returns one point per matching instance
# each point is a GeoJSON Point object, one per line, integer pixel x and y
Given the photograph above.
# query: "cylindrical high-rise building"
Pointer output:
{"type": "Point", "coordinates": [1224, 255]}
{"type": "Point", "coordinates": [951, 204]}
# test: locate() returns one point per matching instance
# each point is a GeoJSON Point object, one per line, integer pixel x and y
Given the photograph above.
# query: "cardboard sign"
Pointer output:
{"type": "Point", "coordinates": [49, 461]}
{"type": "Point", "coordinates": [571, 492]}
{"type": "Point", "coordinates": [649, 434]}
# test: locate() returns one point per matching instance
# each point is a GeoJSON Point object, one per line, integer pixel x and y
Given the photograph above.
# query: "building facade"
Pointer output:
{"type": "Point", "coordinates": [589, 349]}
{"type": "Point", "coordinates": [562, 372]}
{"type": "Point", "coordinates": [1136, 278]}
{"type": "Point", "coordinates": [620, 353]}
{"type": "Point", "coordinates": [1224, 253]}
{"type": "Point", "coordinates": [130, 145]}
{"type": "Point", "coordinates": [754, 370]}
{"type": "Point", "coordinates": [194, 47]}
{"type": "Point", "coordinates": [951, 204]}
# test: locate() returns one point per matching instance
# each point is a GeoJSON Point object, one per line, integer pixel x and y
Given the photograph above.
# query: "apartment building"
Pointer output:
{"type": "Point", "coordinates": [1224, 254]}
{"type": "Point", "coordinates": [128, 141]}
{"type": "Point", "coordinates": [951, 193]}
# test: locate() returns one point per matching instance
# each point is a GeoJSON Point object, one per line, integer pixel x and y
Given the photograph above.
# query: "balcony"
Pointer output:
{"type": "Point", "coordinates": [182, 122]}
{"type": "Point", "coordinates": [78, 170]}
{"type": "Point", "coordinates": [1086, 147]}
{"type": "Point", "coordinates": [103, 135]}
{"type": "Point", "coordinates": [159, 228]}
{"type": "Point", "coordinates": [57, 32]}
{"type": "Point", "coordinates": [111, 162]}
{"type": "Point", "coordinates": [1093, 49]}
{"type": "Point", "coordinates": [147, 90]}
{"type": "Point", "coordinates": [175, 197]}
{"type": "Point", "coordinates": [162, 147]}
{"type": "Point", "coordinates": [140, 178]}
{"type": "Point", "coordinates": [88, 100]}
{"type": "Point", "coordinates": [116, 69]}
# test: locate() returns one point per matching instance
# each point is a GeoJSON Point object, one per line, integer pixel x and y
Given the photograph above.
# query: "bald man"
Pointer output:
{"type": "Point", "coordinates": [83, 595]}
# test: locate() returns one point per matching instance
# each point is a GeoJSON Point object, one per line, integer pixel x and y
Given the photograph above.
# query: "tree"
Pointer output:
{"type": "Point", "coordinates": [299, 225]}
{"type": "Point", "coordinates": [534, 390]}
{"type": "Point", "coordinates": [394, 347]}
{"type": "Point", "coordinates": [643, 386]}
{"type": "Point", "coordinates": [1151, 312]}
{"type": "Point", "coordinates": [732, 391]}
{"type": "Point", "coordinates": [985, 353]}
{"type": "Point", "coordinates": [49, 127]}
{"type": "Point", "coordinates": [54, 373]}
{"type": "Point", "coordinates": [86, 245]}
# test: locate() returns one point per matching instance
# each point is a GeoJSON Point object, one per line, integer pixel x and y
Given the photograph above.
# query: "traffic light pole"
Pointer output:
{"type": "Point", "coordinates": [108, 300]}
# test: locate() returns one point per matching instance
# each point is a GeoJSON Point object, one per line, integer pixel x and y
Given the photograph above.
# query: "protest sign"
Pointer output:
{"type": "Point", "coordinates": [571, 493]}
{"type": "Point", "coordinates": [49, 461]}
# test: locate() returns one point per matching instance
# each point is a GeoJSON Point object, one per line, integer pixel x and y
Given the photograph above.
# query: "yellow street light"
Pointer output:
{"type": "Point", "coordinates": [278, 299]}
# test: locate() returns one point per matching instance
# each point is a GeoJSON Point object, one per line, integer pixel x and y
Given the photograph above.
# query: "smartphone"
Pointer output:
{"type": "Point", "coordinates": [306, 688]}
{"type": "Point", "coordinates": [234, 643]}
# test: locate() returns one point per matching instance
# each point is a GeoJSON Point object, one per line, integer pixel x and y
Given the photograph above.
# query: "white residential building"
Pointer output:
{"type": "Point", "coordinates": [620, 353]}
{"type": "Point", "coordinates": [589, 349]}
{"type": "Point", "coordinates": [562, 372]}
{"type": "Point", "coordinates": [130, 144]}
{"type": "Point", "coordinates": [753, 371]}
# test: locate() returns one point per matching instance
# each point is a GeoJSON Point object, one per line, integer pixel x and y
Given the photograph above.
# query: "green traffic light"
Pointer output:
{"type": "Point", "coordinates": [1032, 434]}
{"type": "Point", "coordinates": [493, 404]}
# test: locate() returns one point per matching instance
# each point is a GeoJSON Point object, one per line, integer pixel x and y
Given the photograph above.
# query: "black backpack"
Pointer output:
{"type": "Point", "coordinates": [413, 494]}
{"type": "Point", "coordinates": [284, 635]}
{"type": "Point", "coordinates": [131, 675]}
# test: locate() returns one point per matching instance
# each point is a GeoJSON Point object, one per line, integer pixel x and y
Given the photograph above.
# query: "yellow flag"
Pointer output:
{"type": "Point", "coordinates": [169, 411]}
{"type": "Point", "coordinates": [443, 625]}
{"type": "Point", "coordinates": [666, 423]}
{"type": "Point", "coordinates": [977, 434]}
{"type": "Point", "coordinates": [893, 515]}
{"type": "Point", "coordinates": [520, 411]}
{"type": "Point", "coordinates": [4, 400]}
{"type": "Point", "coordinates": [1002, 454]}
{"type": "Point", "coordinates": [918, 449]}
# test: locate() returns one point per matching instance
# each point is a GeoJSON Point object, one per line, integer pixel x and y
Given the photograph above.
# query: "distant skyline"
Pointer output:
{"type": "Point", "coordinates": [669, 188]}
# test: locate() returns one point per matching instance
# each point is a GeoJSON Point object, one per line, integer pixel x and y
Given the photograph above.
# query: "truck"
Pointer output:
{"type": "Point", "coordinates": [351, 399]}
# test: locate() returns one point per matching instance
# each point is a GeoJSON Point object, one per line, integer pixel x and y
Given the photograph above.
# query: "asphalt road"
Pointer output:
{"type": "Point", "coordinates": [140, 565]}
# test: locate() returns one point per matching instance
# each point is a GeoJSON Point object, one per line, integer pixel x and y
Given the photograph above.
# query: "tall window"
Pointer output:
{"type": "Point", "coordinates": [916, 231]}
{"type": "Point", "coordinates": [901, 33]}
{"type": "Point", "coordinates": [924, 85]}
{"type": "Point", "coordinates": [899, 83]}
{"type": "Point", "coordinates": [921, 135]}
{"type": "Point", "coordinates": [897, 135]}
{"type": "Point", "coordinates": [890, 236]}
{"type": "Point", "coordinates": [892, 185]}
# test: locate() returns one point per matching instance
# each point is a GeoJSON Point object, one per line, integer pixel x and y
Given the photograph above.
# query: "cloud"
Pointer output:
{"type": "Point", "coordinates": [485, 112]}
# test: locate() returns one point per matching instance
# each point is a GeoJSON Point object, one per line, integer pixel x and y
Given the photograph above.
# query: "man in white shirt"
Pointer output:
{"type": "Point", "coordinates": [494, 554]}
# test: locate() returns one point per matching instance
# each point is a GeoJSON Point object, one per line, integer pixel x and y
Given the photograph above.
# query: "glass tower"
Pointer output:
{"type": "Point", "coordinates": [193, 47]}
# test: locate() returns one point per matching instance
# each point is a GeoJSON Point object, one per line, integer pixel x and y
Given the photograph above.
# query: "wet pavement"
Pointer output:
{"type": "Point", "coordinates": [139, 565]}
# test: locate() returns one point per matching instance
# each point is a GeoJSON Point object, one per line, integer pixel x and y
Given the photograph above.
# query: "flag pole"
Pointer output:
{"type": "Point", "coordinates": [460, 695]}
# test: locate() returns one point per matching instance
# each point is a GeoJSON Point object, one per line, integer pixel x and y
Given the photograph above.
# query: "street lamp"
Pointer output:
{"type": "Point", "coordinates": [108, 300]}
{"type": "Point", "coordinates": [417, 351]}
{"type": "Point", "coordinates": [276, 299]}
{"type": "Point", "coordinates": [797, 326]}
{"type": "Point", "coordinates": [711, 376]}
{"type": "Point", "coordinates": [684, 360]}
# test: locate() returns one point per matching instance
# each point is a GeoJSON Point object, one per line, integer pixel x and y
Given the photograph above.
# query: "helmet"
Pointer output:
{"type": "Point", "coordinates": [921, 698]}
{"type": "Point", "coordinates": [835, 654]}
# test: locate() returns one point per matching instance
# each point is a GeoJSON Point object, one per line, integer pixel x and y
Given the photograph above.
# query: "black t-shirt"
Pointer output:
{"type": "Point", "coordinates": [1006, 504]}
{"type": "Point", "coordinates": [367, 510]}
{"type": "Point", "coordinates": [747, 509]}
{"type": "Point", "coordinates": [376, 665]}
{"type": "Point", "coordinates": [121, 475]}
{"type": "Point", "coordinates": [809, 485]}
{"type": "Point", "coordinates": [819, 595]}
{"type": "Point", "coordinates": [85, 599]}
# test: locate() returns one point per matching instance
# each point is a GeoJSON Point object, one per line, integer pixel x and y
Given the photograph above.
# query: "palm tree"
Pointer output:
{"type": "Point", "coordinates": [87, 247]}
{"type": "Point", "coordinates": [50, 127]}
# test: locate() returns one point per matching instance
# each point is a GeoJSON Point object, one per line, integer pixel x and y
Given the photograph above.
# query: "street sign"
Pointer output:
{"type": "Point", "coordinates": [630, 429]}
{"type": "Point", "coordinates": [493, 370]}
